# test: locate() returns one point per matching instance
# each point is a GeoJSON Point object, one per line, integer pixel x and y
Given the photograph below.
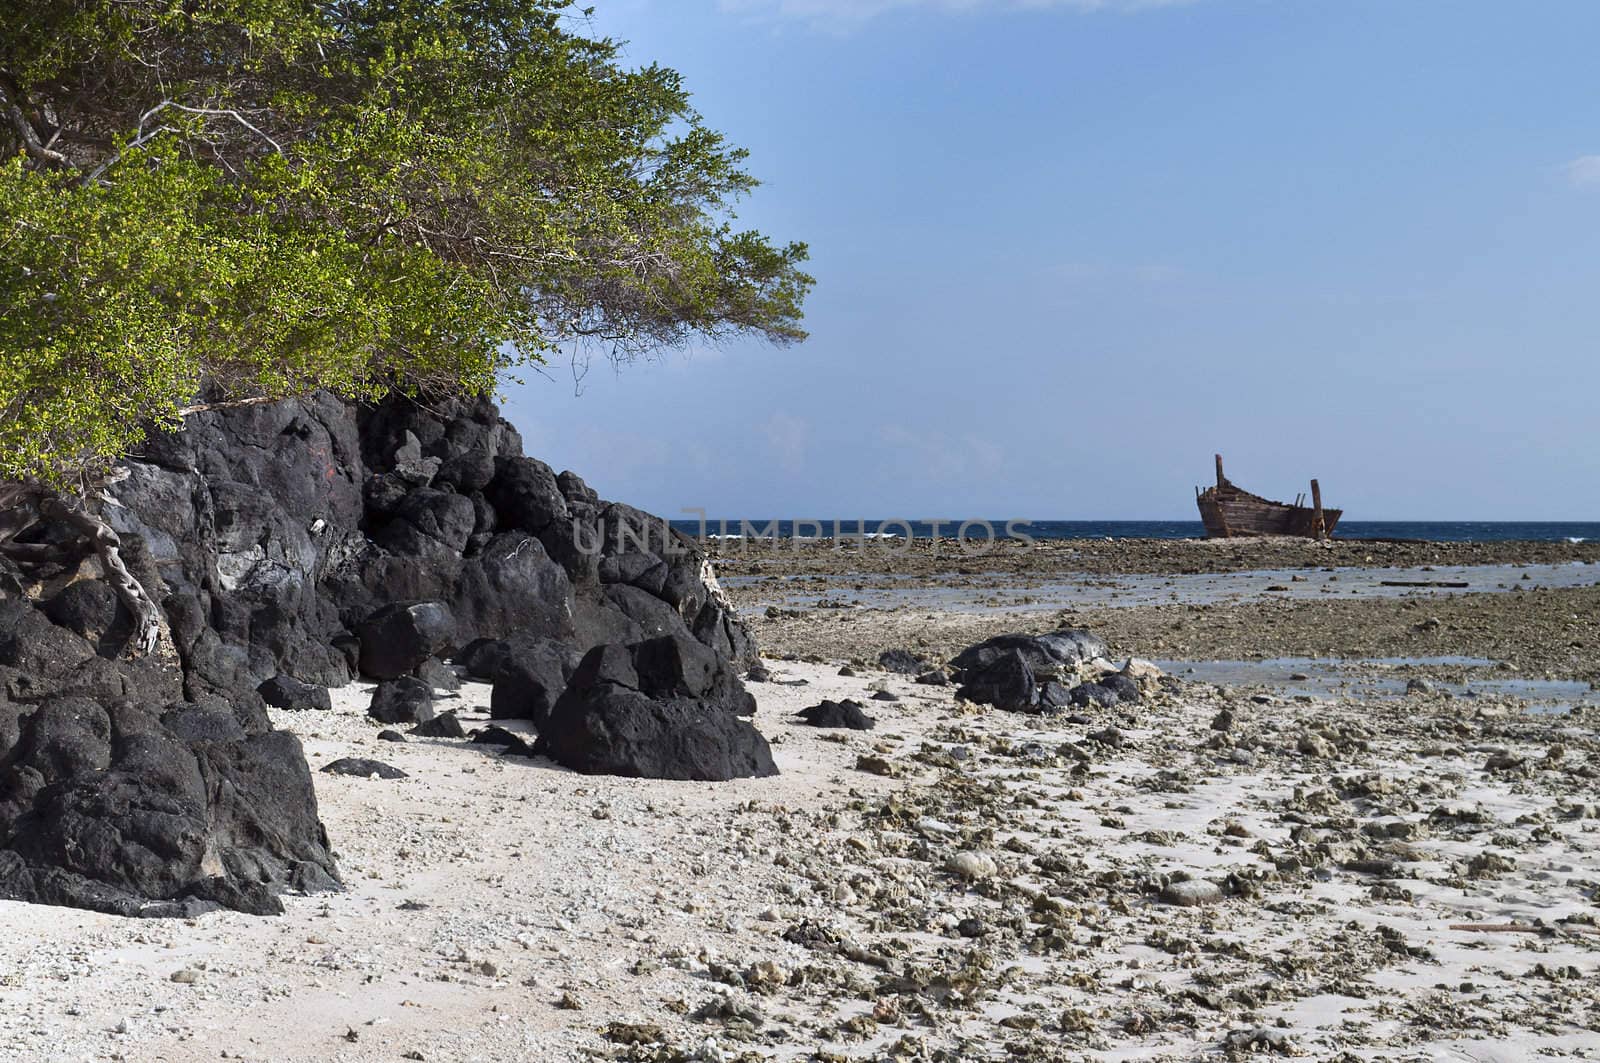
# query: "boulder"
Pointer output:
{"type": "Point", "coordinates": [639, 568]}
{"type": "Point", "coordinates": [403, 700]}
{"type": "Point", "coordinates": [676, 666]}
{"type": "Point", "coordinates": [524, 495]}
{"type": "Point", "coordinates": [1054, 696]}
{"type": "Point", "coordinates": [443, 516]}
{"type": "Point", "coordinates": [845, 714]}
{"type": "Point", "coordinates": [1005, 682]}
{"type": "Point", "coordinates": [530, 676]}
{"type": "Point", "coordinates": [89, 609]}
{"type": "Point", "coordinates": [902, 661]}
{"type": "Point", "coordinates": [605, 724]}
{"type": "Point", "coordinates": [1094, 694]}
{"type": "Point", "coordinates": [1056, 652]}
{"type": "Point", "coordinates": [397, 638]}
{"type": "Point", "coordinates": [287, 692]}
{"type": "Point", "coordinates": [364, 768]}
{"type": "Point", "coordinates": [438, 675]}
{"type": "Point", "coordinates": [1124, 686]}
{"type": "Point", "coordinates": [481, 657]}
{"type": "Point", "coordinates": [513, 586]}
{"type": "Point", "coordinates": [444, 725]}
{"type": "Point", "coordinates": [512, 743]}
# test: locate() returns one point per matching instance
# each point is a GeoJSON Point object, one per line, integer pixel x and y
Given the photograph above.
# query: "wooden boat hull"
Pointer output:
{"type": "Point", "coordinates": [1228, 510]}
{"type": "Point", "coordinates": [1227, 518]}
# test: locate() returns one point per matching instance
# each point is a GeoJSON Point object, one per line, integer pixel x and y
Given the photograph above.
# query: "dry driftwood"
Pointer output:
{"type": "Point", "coordinates": [24, 505]}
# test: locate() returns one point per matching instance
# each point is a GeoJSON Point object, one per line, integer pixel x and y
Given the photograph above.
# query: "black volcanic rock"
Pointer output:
{"type": "Point", "coordinates": [510, 742]}
{"type": "Point", "coordinates": [364, 768]}
{"type": "Point", "coordinates": [1123, 686]}
{"type": "Point", "coordinates": [605, 723]}
{"type": "Point", "coordinates": [1067, 648]}
{"type": "Point", "coordinates": [1090, 695]}
{"type": "Point", "coordinates": [287, 692]}
{"type": "Point", "coordinates": [1005, 682]}
{"type": "Point", "coordinates": [403, 700]}
{"type": "Point", "coordinates": [315, 539]}
{"type": "Point", "coordinates": [903, 661]}
{"type": "Point", "coordinates": [481, 657]}
{"type": "Point", "coordinates": [397, 638]}
{"type": "Point", "coordinates": [675, 666]}
{"type": "Point", "coordinates": [88, 608]}
{"type": "Point", "coordinates": [847, 714]}
{"type": "Point", "coordinates": [444, 725]}
{"type": "Point", "coordinates": [119, 809]}
{"type": "Point", "coordinates": [530, 676]}
{"type": "Point", "coordinates": [438, 675]}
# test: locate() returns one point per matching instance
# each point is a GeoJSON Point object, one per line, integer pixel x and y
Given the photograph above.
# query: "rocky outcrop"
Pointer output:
{"type": "Point", "coordinates": [292, 547]}
{"type": "Point", "coordinates": [318, 540]}
{"type": "Point", "coordinates": [119, 794]}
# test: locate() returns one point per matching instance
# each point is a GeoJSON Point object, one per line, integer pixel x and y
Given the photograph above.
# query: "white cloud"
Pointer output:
{"type": "Point", "coordinates": [789, 437]}
{"type": "Point", "coordinates": [1083, 273]}
{"type": "Point", "coordinates": [942, 455]}
{"type": "Point", "coordinates": [1583, 172]}
{"type": "Point", "coordinates": [846, 12]}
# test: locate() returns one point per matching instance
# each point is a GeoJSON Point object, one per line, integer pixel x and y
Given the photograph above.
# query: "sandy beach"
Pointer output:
{"type": "Point", "coordinates": [1215, 870]}
{"type": "Point", "coordinates": [387, 674]}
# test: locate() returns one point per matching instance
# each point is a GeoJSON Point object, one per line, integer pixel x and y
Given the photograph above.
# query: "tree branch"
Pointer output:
{"type": "Point", "coordinates": [147, 617]}
{"type": "Point", "coordinates": [141, 137]}
{"type": "Point", "coordinates": [229, 404]}
{"type": "Point", "coordinates": [30, 136]}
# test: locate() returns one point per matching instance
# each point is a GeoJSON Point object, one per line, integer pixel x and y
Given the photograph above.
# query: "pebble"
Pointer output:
{"type": "Point", "coordinates": [973, 866]}
{"type": "Point", "coordinates": [1261, 1038]}
{"type": "Point", "coordinates": [1108, 737]}
{"type": "Point", "coordinates": [1191, 893]}
{"type": "Point", "coordinates": [1313, 745]}
{"type": "Point", "coordinates": [871, 762]}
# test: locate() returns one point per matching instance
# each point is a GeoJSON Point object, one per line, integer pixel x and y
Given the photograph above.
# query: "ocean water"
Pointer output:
{"type": "Point", "coordinates": [1437, 531]}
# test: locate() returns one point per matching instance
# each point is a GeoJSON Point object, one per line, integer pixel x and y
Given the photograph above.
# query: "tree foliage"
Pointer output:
{"type": "Point", "coordinates": [268, 196]}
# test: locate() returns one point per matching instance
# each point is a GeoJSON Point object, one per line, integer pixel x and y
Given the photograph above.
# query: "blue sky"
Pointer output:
{"type": "Point", "coordinates": [1067, 249]}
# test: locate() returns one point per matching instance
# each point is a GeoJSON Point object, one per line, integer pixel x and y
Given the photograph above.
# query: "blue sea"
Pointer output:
{"type": "Point", "coordinates": [1437, 531]}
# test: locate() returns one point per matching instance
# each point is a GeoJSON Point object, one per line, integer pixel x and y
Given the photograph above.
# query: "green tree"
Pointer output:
{"type": "Point", "coordinates": [256, 198]}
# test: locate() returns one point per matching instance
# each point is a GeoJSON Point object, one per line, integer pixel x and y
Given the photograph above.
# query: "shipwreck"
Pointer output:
{"type": "Point", "coordinates": [1228, 510]}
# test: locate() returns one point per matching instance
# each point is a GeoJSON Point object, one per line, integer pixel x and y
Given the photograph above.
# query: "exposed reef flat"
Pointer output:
{"type": "Point", "coordinates": [1195, 872]}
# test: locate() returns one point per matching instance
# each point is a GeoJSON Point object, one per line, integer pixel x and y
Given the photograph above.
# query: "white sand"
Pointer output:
{"type": "Point", "coordinates": [538, 883]}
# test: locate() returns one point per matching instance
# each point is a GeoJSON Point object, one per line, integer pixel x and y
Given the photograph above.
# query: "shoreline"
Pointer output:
{"type": "Point", "coordinates": [1371, 874]}
{"type": "Point", "coordinates": [930, 557]}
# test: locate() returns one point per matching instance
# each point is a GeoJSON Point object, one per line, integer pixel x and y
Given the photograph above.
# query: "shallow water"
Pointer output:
{"type": "Point", "coordinates": [1209, 588]}
{"type": "Point", "coordinates": [1333, 677]}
